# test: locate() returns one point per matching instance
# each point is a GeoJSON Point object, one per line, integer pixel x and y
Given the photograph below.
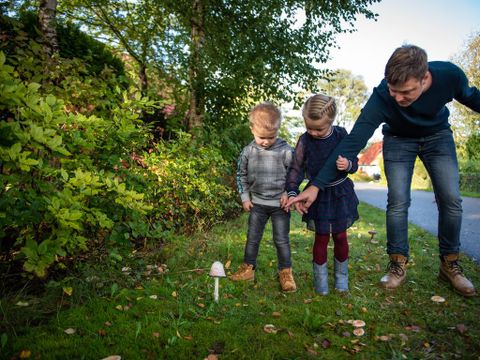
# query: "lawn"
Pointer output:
{"type": "Point", "coordinates": [157, 303]}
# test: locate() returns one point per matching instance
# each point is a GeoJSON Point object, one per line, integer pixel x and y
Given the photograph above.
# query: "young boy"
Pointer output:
{"type": "Point", "coordinates": [261, 175]}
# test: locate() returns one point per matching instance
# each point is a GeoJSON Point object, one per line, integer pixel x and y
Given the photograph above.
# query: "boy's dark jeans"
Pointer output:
{"type": "Point", "coordinates": [257, 220]}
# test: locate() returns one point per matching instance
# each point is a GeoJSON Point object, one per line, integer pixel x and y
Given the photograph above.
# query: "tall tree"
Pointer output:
{"type": "Point", "coordinates": [48, 25]}
{"type": "Point", "coordinates": [466, 121]}
{"type": "Point", "coordinates": [350, 93]}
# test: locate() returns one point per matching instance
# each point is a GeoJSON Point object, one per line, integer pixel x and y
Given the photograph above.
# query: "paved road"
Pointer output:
{"type": "Point", "coordinates": [423, 212]}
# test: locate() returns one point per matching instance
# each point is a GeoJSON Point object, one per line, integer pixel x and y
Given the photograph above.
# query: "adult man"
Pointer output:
{"type": "Point", "coordinates": [411, 102]}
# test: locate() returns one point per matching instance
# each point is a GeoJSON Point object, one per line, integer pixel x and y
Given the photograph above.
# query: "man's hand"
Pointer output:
{"type": "Point", "coordinates": [304, 200]}
{"type": "Point", "coordinates": [247, 205]}
{"type": "Point", "coordinates": [284, 201]}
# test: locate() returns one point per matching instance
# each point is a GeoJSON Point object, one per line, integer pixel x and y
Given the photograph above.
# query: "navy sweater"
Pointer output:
{"type": "Point", "coordinates": [426, 116]}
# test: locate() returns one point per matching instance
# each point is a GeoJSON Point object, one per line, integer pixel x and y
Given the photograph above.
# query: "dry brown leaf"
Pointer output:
{"type": "Point", "coordinates": [227, 264]}
{"type": "Point", "coordinates": [270, 329]}
{"type": "Point", "coordinates": [276, 314]}
{"type": "Point", "coordinates": [461, 328]}
{"type": "Point", "coordinates": [201, 305]}
{"type": "Point", "coordinates": [188, 337]}
{"type": "Point", "coordinates": [307, 301]}
{"type": "Point", "coordinates": [156, 334]}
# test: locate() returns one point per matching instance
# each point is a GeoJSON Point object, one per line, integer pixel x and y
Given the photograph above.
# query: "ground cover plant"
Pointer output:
{"type": "Point", "coordinates": [158, 304]}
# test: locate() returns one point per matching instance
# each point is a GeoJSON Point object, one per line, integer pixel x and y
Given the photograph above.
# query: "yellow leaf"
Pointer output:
{"type": "Point", "coordinates": [68, 290]}
{"type": "Point", "coordinates": [227, 264]}
{"type": "Point", "coordinates": [174, 294]}
{"type": "Point", "coordinates": [25, 354]}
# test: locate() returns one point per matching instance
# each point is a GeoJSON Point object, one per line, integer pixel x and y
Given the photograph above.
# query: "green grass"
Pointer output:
{"type": "Point", "coordinates": [141, 313]}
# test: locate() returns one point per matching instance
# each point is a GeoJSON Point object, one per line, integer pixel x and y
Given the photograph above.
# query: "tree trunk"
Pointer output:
{"type": "Point", "coordinates": [196, 73]}
{"type": "Point", "coordinates": [47, 21]}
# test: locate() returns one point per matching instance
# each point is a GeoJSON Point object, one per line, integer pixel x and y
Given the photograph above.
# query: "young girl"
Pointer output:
{"type": "Point", "coordinates": [335, 208]}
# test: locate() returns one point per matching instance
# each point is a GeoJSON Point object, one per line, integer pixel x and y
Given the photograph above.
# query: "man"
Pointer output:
{"type": "Point", "coordinates": [411, 102]}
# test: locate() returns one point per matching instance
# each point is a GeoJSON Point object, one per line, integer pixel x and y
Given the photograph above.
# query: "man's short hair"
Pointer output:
{"type": "Point", "coordinates": [407, 61]}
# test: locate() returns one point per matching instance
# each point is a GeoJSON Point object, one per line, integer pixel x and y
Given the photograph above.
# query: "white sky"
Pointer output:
{"type": "Point", "coordinates": [441, 27]}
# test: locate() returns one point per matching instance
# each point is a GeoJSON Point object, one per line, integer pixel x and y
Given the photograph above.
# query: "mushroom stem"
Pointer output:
{"type": "Point", "coordinates": [215, 293]}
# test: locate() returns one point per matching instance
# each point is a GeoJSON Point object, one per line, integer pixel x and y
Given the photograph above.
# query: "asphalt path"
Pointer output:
{"type": "Point", "coordinates": [423, 212]}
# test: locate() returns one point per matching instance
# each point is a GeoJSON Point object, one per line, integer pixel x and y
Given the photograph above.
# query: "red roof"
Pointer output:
{"type": "Point", "coordinates": [371, 154]}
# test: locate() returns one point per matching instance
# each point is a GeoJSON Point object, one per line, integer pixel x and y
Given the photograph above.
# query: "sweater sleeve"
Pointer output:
{"type": "Point", "coordinates": [370, 118]}
{"type": "Point", "coordinates": [296, 172]}
{"type": "Point", "coordinates": [242, 175]}
{"type": "Point", "coordinates": [467, 95]}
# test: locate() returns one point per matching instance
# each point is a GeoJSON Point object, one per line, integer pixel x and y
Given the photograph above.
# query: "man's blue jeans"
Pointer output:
{"type": "Point", "coordinates": [257, 220]}
{"type": "Point", "coordinates": [438, 154]}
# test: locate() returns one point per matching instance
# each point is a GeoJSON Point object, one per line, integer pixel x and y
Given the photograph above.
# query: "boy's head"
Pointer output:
{"type": "Point", "coordinates": [407, 74]}
{"type": "Point", "coordinates": [265, 120]}
{"type": "Point", "coordinates": [319, 112]}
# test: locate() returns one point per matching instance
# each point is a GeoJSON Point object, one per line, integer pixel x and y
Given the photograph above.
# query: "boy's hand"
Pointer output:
{"type": "Point", "coordinates": [283, 202]}
{"type": "Point", "coordinates": [247, 205]}
{"type": "Point", "coordinates": [342, 163]}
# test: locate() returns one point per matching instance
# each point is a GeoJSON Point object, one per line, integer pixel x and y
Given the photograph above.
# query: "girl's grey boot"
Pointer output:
{"type": "Point", "coordinates": [320, 275]}
{"type": "Point", "coordinates": [341, 274]}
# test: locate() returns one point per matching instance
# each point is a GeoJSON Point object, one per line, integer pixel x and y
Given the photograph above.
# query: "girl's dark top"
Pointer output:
{"type": "Point", "coordinates": [335, 208]}
{"type": "Point", "coordinates": [426, 116]}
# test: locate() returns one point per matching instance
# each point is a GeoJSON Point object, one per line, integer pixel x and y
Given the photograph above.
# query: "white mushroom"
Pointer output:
{"type": "Point", "coordinates": [217, 271]}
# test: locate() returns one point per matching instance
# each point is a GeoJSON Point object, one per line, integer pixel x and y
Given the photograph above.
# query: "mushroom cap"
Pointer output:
{"type": "Point", "coordinates": [217, 270]}
{"type": "Point", "coordinates": [358, 323]}
{"type": "Point", "coordinates": [372, 232]}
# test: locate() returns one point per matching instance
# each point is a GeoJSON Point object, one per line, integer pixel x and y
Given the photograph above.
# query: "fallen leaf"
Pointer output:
{"type": "Point", "coordinates": [68, 290]}
{"type": "Point", "coordinates": [22, 303]}
{"type": "Point", "coordinates": [112, 357]}
{"type": "Point", "coordinates": [461, 328]}
{"type": "Point", "coordinates": [364, 309]}
{"type": "Point", "coordinates": [413, 328]}
{"type": "Point", "coordinates": [125, 269]}
{"type": "Point", "coordinates": [107, 323]}
{"type": "Point", "coordinates": [188, 337]}
{"type": "Point", "coordinates": [25, 354]}
{"type": "Point", "coordinates": [201, 305]}
{"type": "Point", "coordinates": [69, 331]}
{"type": "Point", "coordinates": [101, 332]}
{"type": "Point", "coordinates": [174, 294]}
{"type": "Point", "coordinates": [307, 301]}
{"type": "Point", "coordinates": [276, 314]}
{"type": "Point", "coordinates": [437, 299]}
{"type": "Point", "coordinates": [326, 343]}
{"type": "Point", "coordinates": [227, 264]}
{"type": "Point", "coordinates": [270, 329]}
{"type": "Point", "coordinates": [384, 338]}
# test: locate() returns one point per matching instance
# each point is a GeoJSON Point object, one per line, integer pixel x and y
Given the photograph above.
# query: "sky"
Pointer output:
{"type": "Point", "coordinates": [441, 27]}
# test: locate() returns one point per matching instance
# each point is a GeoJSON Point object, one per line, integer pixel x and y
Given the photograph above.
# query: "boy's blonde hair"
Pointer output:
{"type": "Point", "coordinates": [407, 61]}
{"type": "Point", "coordinates": [265, 116]}
{"type": "Point", "coordinates": [320, 106]}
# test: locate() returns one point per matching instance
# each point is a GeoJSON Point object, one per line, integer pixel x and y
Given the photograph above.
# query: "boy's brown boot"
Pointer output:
{"type": "Point", "coordinates": [287, 283]}
{"type": "Point", "coordinates": [397, 272]}
{"type": "Point", "coordinates": [245, 272]}
{"type": "Point", "coordinates": [452, 272]}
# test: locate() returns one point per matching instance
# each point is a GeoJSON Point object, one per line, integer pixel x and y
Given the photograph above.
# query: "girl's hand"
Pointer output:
{"type": "Point", "coordinates": [342, 163]}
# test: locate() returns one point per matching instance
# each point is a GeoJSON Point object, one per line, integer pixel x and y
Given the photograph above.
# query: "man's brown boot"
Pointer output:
{"type": "Point", "coordinates": [397, 272]}
{"type": "Point", "coordinates": [245, 272]}
{"type": "Point", "coordinates": [286, 280]}
{"type": "Point", "coordinates": [452, 272]}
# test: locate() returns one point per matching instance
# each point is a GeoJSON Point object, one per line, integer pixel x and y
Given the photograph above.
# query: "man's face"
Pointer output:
{"type": "Point", "coordinates": [263, 137]}
{"type": "Point", "coordinates": [405, 94]}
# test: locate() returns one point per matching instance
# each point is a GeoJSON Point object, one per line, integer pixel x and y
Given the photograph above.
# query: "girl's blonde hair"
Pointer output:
{"type": "Point", "coordinates": [266, 116]}
{"type": "Point", "coordinates": [320, 106]}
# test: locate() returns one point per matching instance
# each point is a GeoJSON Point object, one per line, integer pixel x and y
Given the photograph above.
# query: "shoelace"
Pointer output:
{"type": "Point", "coordinates": [455, 268]}
{"type": "Point", "coordinates": [395, 268]}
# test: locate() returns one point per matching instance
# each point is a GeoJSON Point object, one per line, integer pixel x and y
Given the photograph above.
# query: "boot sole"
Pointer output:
{"type": "Point", "coordinates": [445, 278]}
